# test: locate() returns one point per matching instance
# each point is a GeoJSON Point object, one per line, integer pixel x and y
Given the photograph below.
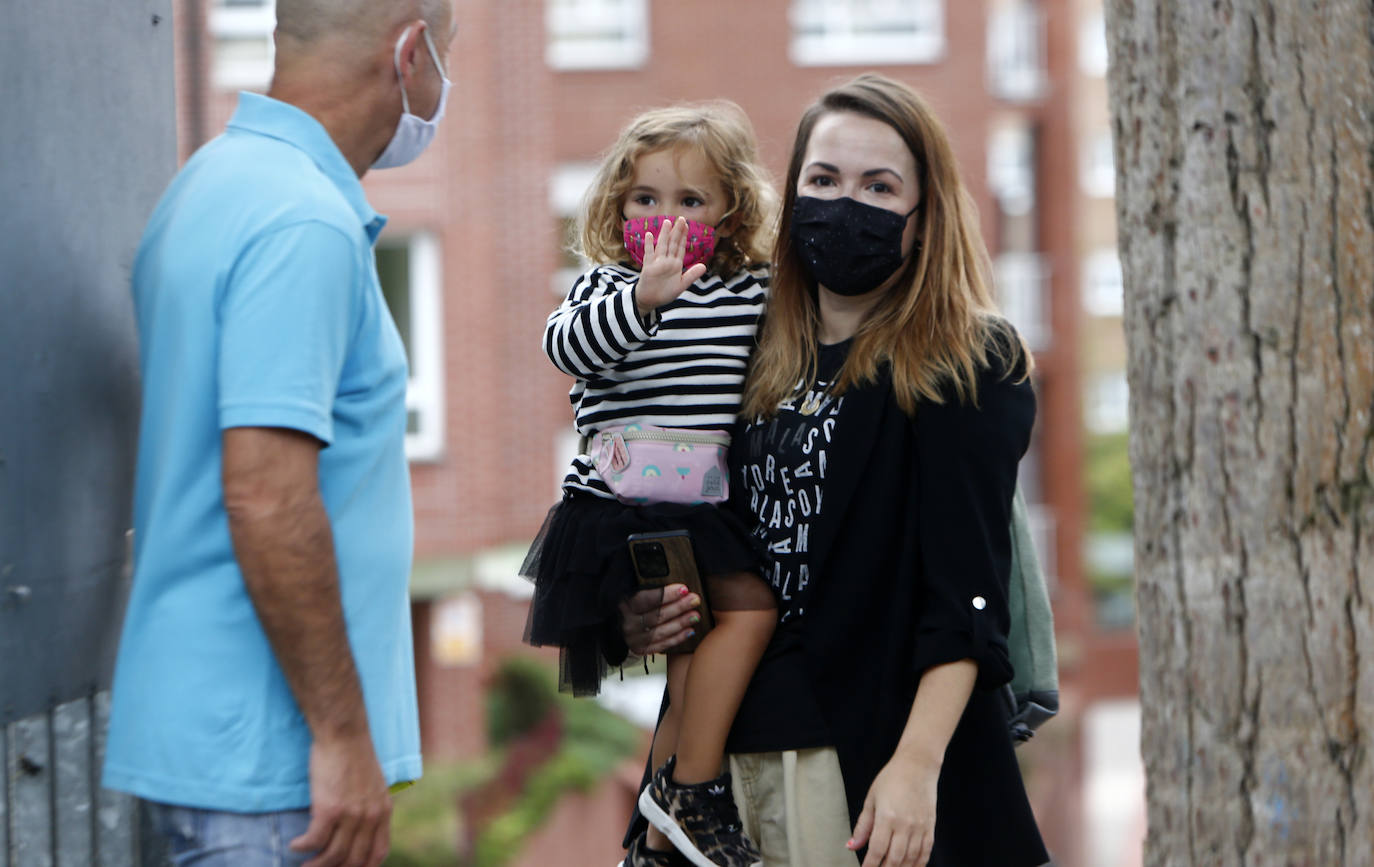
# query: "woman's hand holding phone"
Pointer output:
{"type": "Point", "coordinates": [656, 619]}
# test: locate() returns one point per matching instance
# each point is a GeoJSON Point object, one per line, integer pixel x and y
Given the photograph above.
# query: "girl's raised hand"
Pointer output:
{"type": "Point", "coordinates": [662, 279]}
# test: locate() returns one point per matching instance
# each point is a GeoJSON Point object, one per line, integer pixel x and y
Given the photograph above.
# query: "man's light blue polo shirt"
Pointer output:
{"type": "Point", "coordinates": [258, 306]}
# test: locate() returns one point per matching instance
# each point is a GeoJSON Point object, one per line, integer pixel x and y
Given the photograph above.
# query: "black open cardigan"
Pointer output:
{"type": "Point", "coordinates": [911, 557]}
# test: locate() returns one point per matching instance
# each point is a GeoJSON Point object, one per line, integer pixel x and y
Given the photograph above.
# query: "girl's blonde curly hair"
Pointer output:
{"type": "Point", "coordinates": [723, 135]}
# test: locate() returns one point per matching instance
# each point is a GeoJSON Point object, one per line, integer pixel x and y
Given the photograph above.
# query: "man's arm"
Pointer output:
{"type": "Point", "coordinates": [285, 549]}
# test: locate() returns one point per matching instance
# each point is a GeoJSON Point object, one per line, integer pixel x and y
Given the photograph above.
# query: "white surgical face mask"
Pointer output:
{"type": "Point", "coordinates": [413, 134]}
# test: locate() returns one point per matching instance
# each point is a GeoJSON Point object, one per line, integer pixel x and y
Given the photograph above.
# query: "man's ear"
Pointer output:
{"type": "Point", "coordinates": [410, 45]}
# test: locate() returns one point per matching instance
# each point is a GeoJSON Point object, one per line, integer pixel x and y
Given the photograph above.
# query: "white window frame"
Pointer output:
{"type": "Point", "coordinates": [1103, 284]}
{"type": "Point", "coordinates": [1092, 45]}
{"type": "Point", "coordinates": [254, 23]}
{"type": "Point", "coordinates": [866, 32]}
{"type": "Point", "coordinates": [1011, 169]}
{"type": "Point", "coordinates": [1016, 51]}
{"type": "Point", "coordinates": [596, 34]}
{"type": "Point", "coordinates": [568, 185]}
{"type": "Point", "coordinates": [425, 388]}
{"type": "Point", "coordinates": [1098, 174]}
{"type": "Point", "coordinates": [1023, 281]}
{"type": "Point", "coordinates": [1108, 406]}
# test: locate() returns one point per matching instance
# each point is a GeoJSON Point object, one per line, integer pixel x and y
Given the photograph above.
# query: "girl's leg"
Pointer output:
{"type": "Point", "coordinates": [666, 738]}
{"type": "Point", "coordinates": [721, 669]}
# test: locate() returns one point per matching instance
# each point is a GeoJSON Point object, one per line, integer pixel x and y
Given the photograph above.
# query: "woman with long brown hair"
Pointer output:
{"type": "Point", "coordinates": [885, 412]}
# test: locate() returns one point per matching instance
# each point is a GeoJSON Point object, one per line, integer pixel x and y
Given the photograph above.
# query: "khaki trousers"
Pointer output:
{"type": "Point", "coordinates": [793, 806]}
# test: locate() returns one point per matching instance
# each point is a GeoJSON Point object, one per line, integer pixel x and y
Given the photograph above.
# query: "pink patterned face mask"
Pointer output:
{"type": "Point", "coordinates": [701, 239]}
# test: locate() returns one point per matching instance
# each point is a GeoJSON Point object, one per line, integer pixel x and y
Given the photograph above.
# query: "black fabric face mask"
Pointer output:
{"type": "Point", "coordinates": [848, 247]}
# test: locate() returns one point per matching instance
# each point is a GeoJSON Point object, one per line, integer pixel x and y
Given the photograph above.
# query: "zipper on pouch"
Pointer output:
{"type": "Point", "coordinates": [700, 439]}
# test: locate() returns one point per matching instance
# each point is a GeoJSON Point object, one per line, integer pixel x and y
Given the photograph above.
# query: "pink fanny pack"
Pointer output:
{"type": "Point", "coordinates": [645, 464]}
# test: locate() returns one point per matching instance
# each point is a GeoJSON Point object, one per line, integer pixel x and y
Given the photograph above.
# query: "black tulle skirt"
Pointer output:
{"type": "Point", "coordinates": [581, 568]}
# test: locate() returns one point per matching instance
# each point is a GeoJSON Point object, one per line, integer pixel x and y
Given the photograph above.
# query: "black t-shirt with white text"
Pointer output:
{"type": "Point", "coordinates": [781, 466]}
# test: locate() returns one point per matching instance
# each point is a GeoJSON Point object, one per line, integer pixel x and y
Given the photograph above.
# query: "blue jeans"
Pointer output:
{"type": "Point", "coordinates": [192, 837]}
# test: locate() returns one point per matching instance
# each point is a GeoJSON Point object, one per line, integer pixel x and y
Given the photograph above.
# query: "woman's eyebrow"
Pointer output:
{"type": "Point", "coordinates": [871, 172]}
{"type": "Point", "coordinates": [834, 169]}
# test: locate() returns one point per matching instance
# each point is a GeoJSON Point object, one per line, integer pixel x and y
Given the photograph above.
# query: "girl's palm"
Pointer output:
{"type": "Point", "coordinates": [662, 279]}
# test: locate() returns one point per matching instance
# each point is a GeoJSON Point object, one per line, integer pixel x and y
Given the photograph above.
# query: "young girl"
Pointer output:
{"type": "Point", "coordinates": [658, 334]}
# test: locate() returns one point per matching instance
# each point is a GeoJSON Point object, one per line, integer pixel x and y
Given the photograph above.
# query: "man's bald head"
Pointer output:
{"type": "Point", "coordinates": [356, 65]}
{"type": "Point", "coordinates": [310, 22]}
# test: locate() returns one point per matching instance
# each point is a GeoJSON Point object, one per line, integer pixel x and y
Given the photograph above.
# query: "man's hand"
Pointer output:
{"type": "Point", "coordinates": [662, 279]}
{"type": "Point", "coordinates": [350, 808]}
{"type": "Point", "coordinates": [656, 619]}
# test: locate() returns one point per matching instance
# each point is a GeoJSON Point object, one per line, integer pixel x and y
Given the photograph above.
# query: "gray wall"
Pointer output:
{"type": "Point", "coordinates": [87, 142]}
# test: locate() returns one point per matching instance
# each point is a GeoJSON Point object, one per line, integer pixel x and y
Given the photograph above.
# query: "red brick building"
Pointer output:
{"type": "Point", "coordinates": [471, 259]}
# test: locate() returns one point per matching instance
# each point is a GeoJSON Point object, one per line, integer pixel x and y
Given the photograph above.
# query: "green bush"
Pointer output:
{"type": "Point", "coordinates": [522, 693]}
{"type": "Point", "coordinates": [425, 822]}
{"type": "Point", "coordinates": [595, 742]}
{"type": "Point", "coordinates": [425, 827]}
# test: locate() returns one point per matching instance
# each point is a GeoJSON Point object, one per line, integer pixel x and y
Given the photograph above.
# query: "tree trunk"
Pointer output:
{"type": "Point", "coordinates": [1245, 153]}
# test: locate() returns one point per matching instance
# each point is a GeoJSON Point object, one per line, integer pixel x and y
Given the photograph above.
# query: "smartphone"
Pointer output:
{"type": "Point", "coordinates": [666, 558]}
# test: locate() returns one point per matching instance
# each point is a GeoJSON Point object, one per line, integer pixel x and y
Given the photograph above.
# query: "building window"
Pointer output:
{"type": "Point", "coordinates": [241, 31]}
{"type": "Point", "coordinates": [1103, 286]}
{"type": "Point", "coordinates": [1109, 403]}
{"type": "Point", "coordinates": [1022, 284]}
{"type": "Point", "coordinates": [596, 34]}
{"type": "Point", "coordinates": [568, 187]}
{"type": "Point", "coordinates": [1016, 51]}
{"type": "Point", "coordinates": [1099, 166]}
{"type": "Point", "coordinates": [1011, 169]}
{"type": "Point", "coordinates": [1092, 45]}
{"type": "Point", "coordinates": [867, 32]}
{"type": "Point", "coordinates": [408, 268]}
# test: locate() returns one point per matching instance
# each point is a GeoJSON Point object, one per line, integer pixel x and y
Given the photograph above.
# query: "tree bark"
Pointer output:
{"type": "Point", "coordinates": [1245, 153]}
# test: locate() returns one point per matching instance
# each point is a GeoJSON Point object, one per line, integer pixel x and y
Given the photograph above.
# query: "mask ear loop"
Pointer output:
{"type": "Point", "coordinates": [396, 61]}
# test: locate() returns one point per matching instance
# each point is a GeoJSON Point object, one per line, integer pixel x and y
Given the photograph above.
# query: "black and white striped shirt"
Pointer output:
{"type": "Point", "coordinates": [682, 369]}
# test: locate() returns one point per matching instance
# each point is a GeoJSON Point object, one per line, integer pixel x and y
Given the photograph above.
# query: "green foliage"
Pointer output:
{"type": "Point", "coordinates": [503, 838]}
{"type": "Point", "coordinates": [522, 693]}
{"type": "Point", "coordinates": [595, 741]}
{"type": "Point", "coordinates": [425, 823]}
{"type": "Point", "coordinates": [425, 826]}
{"type": "Point", "coordinates": [1108, 477]}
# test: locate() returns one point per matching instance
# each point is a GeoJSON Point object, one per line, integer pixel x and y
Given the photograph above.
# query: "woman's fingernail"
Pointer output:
{"type": "Point", "coordinates": [696, 618]}
{"type": "Point", "coordinates": [691, 632]}
{"type": "Point", "coordinates": [696, 600]}
{"type": "Point", "coordinates": [683, 591]}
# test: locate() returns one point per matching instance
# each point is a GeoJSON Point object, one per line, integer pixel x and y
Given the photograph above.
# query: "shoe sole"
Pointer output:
{"type": "Point", "coordinates": [670, 829]}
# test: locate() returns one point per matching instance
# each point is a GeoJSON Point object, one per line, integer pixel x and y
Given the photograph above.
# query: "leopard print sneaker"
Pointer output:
{"type": "Point", "coordinates": [700, 819]}
{"type": "Point", "coordinates": [640, 855]}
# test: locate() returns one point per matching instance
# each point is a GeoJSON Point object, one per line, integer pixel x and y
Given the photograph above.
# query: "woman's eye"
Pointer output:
{"type": "Point", "coordinates": [822, 180]}
{"type": "Point", "coordinates": [880, 187]}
